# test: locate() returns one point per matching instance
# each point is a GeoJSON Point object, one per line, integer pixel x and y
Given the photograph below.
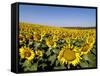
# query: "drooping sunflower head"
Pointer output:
{"type": "Point", "coordinates": [69, 56]}
{"type": "Point", "coordinates": [26, 53]}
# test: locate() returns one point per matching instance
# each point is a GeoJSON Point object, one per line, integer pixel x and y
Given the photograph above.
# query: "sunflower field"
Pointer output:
{"type": "Point", "coordinates": [46, 48]}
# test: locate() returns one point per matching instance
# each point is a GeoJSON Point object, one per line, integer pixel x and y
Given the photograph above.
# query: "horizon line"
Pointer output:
{"type": "Point", "coordinates": [58, 25]}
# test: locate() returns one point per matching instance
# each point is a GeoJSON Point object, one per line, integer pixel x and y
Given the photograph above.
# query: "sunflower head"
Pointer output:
{"type": "Point", "coordinates": [37, 36]}
{"type": "Point", "coordinates": [85, 49]}
{"type": "Point", "coordinates": [50, 43]}
{"type": "Point", "coordinates": [90, 40]}
{"type": "Point", "coordinates": [21, 38]}
{"type": "Point", "coordinates": [69, 56]}
{"type": "Point", "coordinates": [26, 53]}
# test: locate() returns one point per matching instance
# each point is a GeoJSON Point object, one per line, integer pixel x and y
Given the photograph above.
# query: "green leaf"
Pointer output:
{"type": "Point", "coordinates": [29, 67]}
{"type": "Point", "coordinates": [48, 52]}
{"type": "Point", "coordinates": [94, 51]}
{"type": "Point", "coordinates": [56, 51]}
{"type": "Point", "coordinates": [60, 67]}
{"type": "Point", "coordinates": [91, 57]}
{"type": "Point", "coordinates": [33, 67]}
{"type": "Point", "coordinates": [26, 64]}
{"type": "Point", "coordinates": [43, 46]}
{"type": "Point", "coordinates": [85, 57]}
{"type": "Point", "coordinates": [93, 64]}
{"type": "Point", "coordinates": [57, 62]}
{"type": "Point", "coordinates": [26, 69]}
{"type": "Point", "coordinates": [36, 45]}
{"type": "Point", "coordinates": [78, 43]}
{"type": "Point", "coordinates": [84, 64]}
{"type": "Point", "coordinates": [43, 65]}
{"type": "Point", "coordinates": [52, 58]}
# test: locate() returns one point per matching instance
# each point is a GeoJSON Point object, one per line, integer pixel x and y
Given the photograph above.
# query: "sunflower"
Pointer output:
{"type": "Point", "coordinates": [21, 39]}
{"type": "Point", "coordinates": [37, 36]}
{"type": "Point", "coordinates": [56, 35]}
{"type": "Point", "coordinates": [69, 56]}
{"type": "Point", "coordinates": [50, 43]}
{"type": "Point", "coordinates": [90, 40]}
{"type": "Point", "coordinates": [39, 53]}
{"type": "Point", "coordinates": [88, 45]}
{"type": "Point", "coordinates": [26, 53]}
{"type": "Point", "coordinates": [86, 48]}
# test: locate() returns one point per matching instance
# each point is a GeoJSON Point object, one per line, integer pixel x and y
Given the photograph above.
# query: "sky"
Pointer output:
{"type": "Point", "coordinates": [57, 16]}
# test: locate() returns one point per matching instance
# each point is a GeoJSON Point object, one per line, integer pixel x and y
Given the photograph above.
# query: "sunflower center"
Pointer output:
{"type": "Point", "coordinates": [85, 48]}
{"type": "Point", "coordinates": [69, 55]}
{"type": "Point", "coordinates": [37, 37]}
{"type": "Point", "coordinates": [27, 54]}
{"type": "Point", "coordinates": [51, 42]}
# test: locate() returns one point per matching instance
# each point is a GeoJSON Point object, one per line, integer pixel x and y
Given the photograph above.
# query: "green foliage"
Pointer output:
{"type": "Point", "coordinates": [48, 52]}
{"type": "Point", "coordinates": [89, 60]}
{"type": "Point", "coordinates": [84, 64]}
{"type": "Point", "coordinates": [60, 67]}
{"type": "Point", "coordinates": [34, 67]}
{"type": "Point", "coordinates": [28, 66]}
{"type": "Point", "coordinates": [55, 51]}
{"type": "Point", "coordinates": [52, 58]}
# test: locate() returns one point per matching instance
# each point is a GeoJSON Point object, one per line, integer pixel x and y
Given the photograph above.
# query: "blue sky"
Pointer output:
{"type": "Point", "coordinates": [57, 16]}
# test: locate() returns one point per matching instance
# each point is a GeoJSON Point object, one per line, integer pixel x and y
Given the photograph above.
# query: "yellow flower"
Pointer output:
{"type": "Point", "coordinates": [90, 40]}
{"type": "Point", "coordinates": [26, 53]}
{"type": "Point", "coordinates": [21, 38]}
{"type": "Point", "coordinates": [50, 43]}
{"type": "Point", "coordinates": [69, 56]}
{"type": "Point", "coordinates": [86, 48]}
{"type": "Point", "coordinates": [37, 36]}
{"type": "Point", "coordinates": [39, 53]}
